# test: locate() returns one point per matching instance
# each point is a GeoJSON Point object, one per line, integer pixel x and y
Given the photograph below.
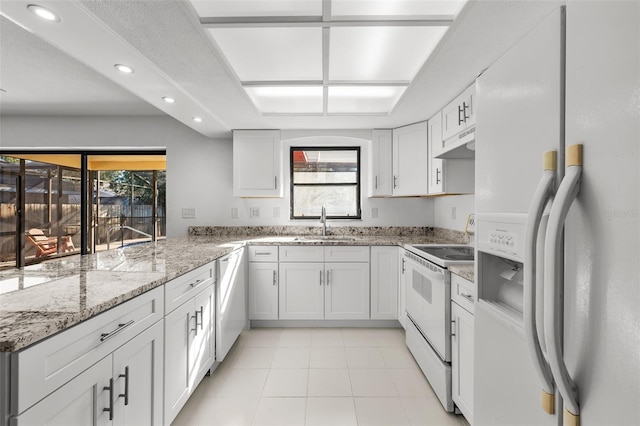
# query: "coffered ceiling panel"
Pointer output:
{"type": "Point", "coordinates": [246, 8]}
{"type": "Point", "coordinates": [287, 99]}
{"type": "Point", "coordinates": [363, 99]}
{"type": "Point", "coordinates": [406, 8]}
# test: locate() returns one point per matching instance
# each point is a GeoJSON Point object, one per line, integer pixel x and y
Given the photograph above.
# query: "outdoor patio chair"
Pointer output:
{"type": "Point", "coordinates": [48, 245]}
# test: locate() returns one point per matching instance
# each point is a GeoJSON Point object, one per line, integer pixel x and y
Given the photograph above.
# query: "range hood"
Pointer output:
{"type": "Point", "coordinates": [462, 145]}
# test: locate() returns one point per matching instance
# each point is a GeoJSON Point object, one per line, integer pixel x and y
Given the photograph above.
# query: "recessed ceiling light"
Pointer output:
{"type": "Point", "coordinates": [168, 100]}
{"type": "Point", "coordinates": [43, 13]}
{"type": "Point", "coordinates": [197, 119]}
{"type": "Point", "coordinates": [125, 69]}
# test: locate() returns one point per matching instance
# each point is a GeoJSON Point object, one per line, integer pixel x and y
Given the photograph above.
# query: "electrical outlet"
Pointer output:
{"type": "Point", "coordinates": [189, 213]}
{"type": "Point", "coordinates": [453, 213]}
{"type": "Point", "coordinates": [234, 212]}
{"type": "Point", "coordinates": [374, 212]}
{"type": "Point", "coordinates": [254, 212]}
{"type": "Point", "coordinates": [276, 212]}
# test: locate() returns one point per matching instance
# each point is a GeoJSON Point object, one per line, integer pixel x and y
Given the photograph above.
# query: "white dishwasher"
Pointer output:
{"type": "Point", "coordinates": [231, 308]}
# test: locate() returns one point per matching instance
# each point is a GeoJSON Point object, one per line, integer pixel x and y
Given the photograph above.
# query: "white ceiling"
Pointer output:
{"type": "Point", "coordinates": [66, 68]}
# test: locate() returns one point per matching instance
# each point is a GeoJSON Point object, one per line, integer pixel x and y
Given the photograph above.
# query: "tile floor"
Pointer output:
{"type": "Point", "coordinates": [320, 377]}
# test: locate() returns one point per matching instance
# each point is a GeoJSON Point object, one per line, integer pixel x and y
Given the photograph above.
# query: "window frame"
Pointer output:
{"type": "Point", "coordinates": [357, 184]}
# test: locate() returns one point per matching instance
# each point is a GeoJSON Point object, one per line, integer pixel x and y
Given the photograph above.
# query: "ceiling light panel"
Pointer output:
{"type": "Point", "coordinates": [363, 99]}
{"type": "Point", "coordinates": [274, 54]}
{"type": "Point", "coordinates": [408, 8]}
{"type": "Point", "coordinates": [380, 53]}
{"type": "Point", "coordinates": [228, 8]}
{"type": "Point", "coordinates": [287, 100]}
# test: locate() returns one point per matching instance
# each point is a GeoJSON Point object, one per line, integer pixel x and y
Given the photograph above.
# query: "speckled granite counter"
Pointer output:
{"type": "Point", "coordinates": [41, 300]}
{"type": "Point", "coordinates": [465, 271]}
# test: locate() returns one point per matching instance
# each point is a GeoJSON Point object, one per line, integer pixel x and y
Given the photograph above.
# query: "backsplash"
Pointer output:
{"type": "Point", "coordinates": [403, 231]}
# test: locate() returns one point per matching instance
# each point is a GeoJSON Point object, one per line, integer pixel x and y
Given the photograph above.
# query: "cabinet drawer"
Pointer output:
{"type": "Point", "coordinates": [463, 292]}
{"type": "Point", "coordinates": [346, 253]}
{"type": "Point", "coordinates": [263, 253]}
{"type": "Point", "coordinates": [301, 253]}
{"type": "Point", "coordinates": [44, 367]}
{"type": "Point", "coordinates": [184, 287]}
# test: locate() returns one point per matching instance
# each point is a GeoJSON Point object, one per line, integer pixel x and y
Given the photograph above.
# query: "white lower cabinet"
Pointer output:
{"type": "Point", "coordinates": [120, 389]}
{"type": "Point", "coordinates": [313, 290]}
{"type": "Point", "coordinates": [462, 355]}
{"type": "Point", "coordinates": [231, 302]}
{"type": "Point", "coordinates": [346, 291]}
{"type": "Point", "coordinates": [301, 291]}
{"type": "Point", "coordinates": [188, 349]}
{"type": "Point", "coordinates": [263, 282]}
{"type": "Point", "coordinates": [384, 282]}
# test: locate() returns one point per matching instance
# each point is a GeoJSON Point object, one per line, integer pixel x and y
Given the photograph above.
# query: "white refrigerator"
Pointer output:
{"type": "Point", "coordinates": [574, 79]}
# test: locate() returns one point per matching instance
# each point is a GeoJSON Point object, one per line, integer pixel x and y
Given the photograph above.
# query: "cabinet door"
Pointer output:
{"type": "Point", "coordinates": [301, 291]}
{"type": "Point", "coordinates": [381, 163]}
{"type": "Point", "coordinates": [436, 165]}
{"type": "Point", "coordinates": [257, 163]}
{"type": "Point", "coordinates": [137, 375]}
{"type": "Point", "coordinates": [178, 329]}
{"type": "Point", "coordinates": [462, 360]}
{"type": "Point", "coordinates": [202, 355]}
{"type": "Point", "coordinates": [231, 303]}
{"type": "Point", "coordinates": [453, 118]}
{"type": "Point", "coordinates": [81, 401]}
{"type": "Point", "coordinates": [410, 157]}
{"type": "Point", "coordinates": [384, 282]}
{"type": "Point", "coordinates": [263, 290]}
{"type": "Point", "coordinates": [346, 291]}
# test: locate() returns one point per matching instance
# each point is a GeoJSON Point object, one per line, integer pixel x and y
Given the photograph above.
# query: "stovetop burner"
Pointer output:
{"type": "Point", "coordinates": [443, 255]}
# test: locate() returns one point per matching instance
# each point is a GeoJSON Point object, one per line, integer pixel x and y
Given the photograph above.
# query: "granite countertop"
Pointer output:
{"type": "Point", "coordinates": [465, 271]}
{"type": "Point", "coordinates": [43, 299]}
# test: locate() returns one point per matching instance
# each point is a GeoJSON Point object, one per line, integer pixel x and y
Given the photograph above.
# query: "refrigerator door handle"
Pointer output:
{"type": "Point", "coordinates": [553, 283]}
{"type": "Point", "coordinates": [542, 196]}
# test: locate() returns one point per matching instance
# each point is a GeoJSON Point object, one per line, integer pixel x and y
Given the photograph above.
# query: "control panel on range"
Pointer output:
{"type": "Point", "coordinates": [501, 234]}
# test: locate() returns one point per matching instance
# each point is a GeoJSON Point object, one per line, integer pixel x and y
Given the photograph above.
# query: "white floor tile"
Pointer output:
{"type": "Point", "coordinates": [286, 383]}
{"type": "Point", "coordinates": [428, 412]}
{"type": "Point", "coordinates": [380, 412]}
{"type": "Point", "coordinates": [390, 337]}
{"type": "Point", "coordinates": [328, 358]}
{"type": "Point", "coordinates": [327, 338]}
{"type": "Point", "coordinates": [397, 357]}
{"type": "Point", "coordinates": [280, 412]}
{"type": "Point", "coordinates": [411, 383]}
{"type": "Point", "coordinates": [227, 411]}
{"type": "Point", "coordinates": [364, 358]}
{"type": "Point", "coordinates": [295, 338]}
{"type": "Point", "coordinates": [253, 357]}
{"type": "Point", "coordinates": [331, 411]}
{"type": "Point", "coordinates": [260, 337]}
{"type": "Point", "coordinates": [238, 382]}
{"type": "Point", "coordinates": [329, 382]}
{"type": "Point", "coordinates": [372, 382]}
{"type": "Point", "coordinates": [291, 358]}
{"type": "Point", "coordinates": [359, 337]}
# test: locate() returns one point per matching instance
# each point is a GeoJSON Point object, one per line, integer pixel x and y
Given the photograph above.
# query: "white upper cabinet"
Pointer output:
{"type": "Point", "coordinates": [257, 163]}
{"type": "Point", "coordinates": [380, 184]}
{"type": "Point", "coordinates": [410, 156]}
{"type": "Point", "coordinates": [458, 126]}
{"type": "Point", "coordinates": [454, 176]}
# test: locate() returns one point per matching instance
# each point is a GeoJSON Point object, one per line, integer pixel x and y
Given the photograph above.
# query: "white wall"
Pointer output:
{"type": "Point", "coordinates": [443, 206]}
{"type": "Point", "coordinates": [199, 173]}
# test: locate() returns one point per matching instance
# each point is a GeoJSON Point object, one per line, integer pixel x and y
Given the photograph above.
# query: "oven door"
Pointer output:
{"type": "Point", "coordinates": [428, 297]}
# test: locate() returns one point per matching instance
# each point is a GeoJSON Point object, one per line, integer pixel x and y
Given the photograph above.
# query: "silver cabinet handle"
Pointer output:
{"type": "Point", "coordinates": [263, 253]}
{"type": "Point", "coordinates": [105, 336]}
{"type": "Point", "coordinates": [453, 328]}
{"type": "Point", "coordinates": [438, 176]}
{"type": "Point", "coordinates": [195, 283]}
{"type": "Point", "coordinates": [201, 318]}
{"type": "Point", "coordinates": [403, 261]}
{"type": "Point", "coordinates": [275, 182]}
{"type": "Point", "coordinates": [275, 279]}
{"type": "Point", "coordinates": [196, 326]}
{"type": "Point", "coordinates": [376, 184]}
{"type": "Point", "coordinates": [328, 276]}
{"type": "Point", "coordinates": [320, 277]}
{"type": "Point", "coordinates": [468, 297]}
{"type": "Point", "coordinates": [110, 389]}
{"type": "Point", "coordinates": [395, 181]}
{"type": "Point", "coordinates": [126, 385]}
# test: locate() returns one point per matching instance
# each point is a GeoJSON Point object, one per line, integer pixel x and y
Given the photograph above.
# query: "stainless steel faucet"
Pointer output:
{"type": "Point", "coordinates": [323, 220]}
